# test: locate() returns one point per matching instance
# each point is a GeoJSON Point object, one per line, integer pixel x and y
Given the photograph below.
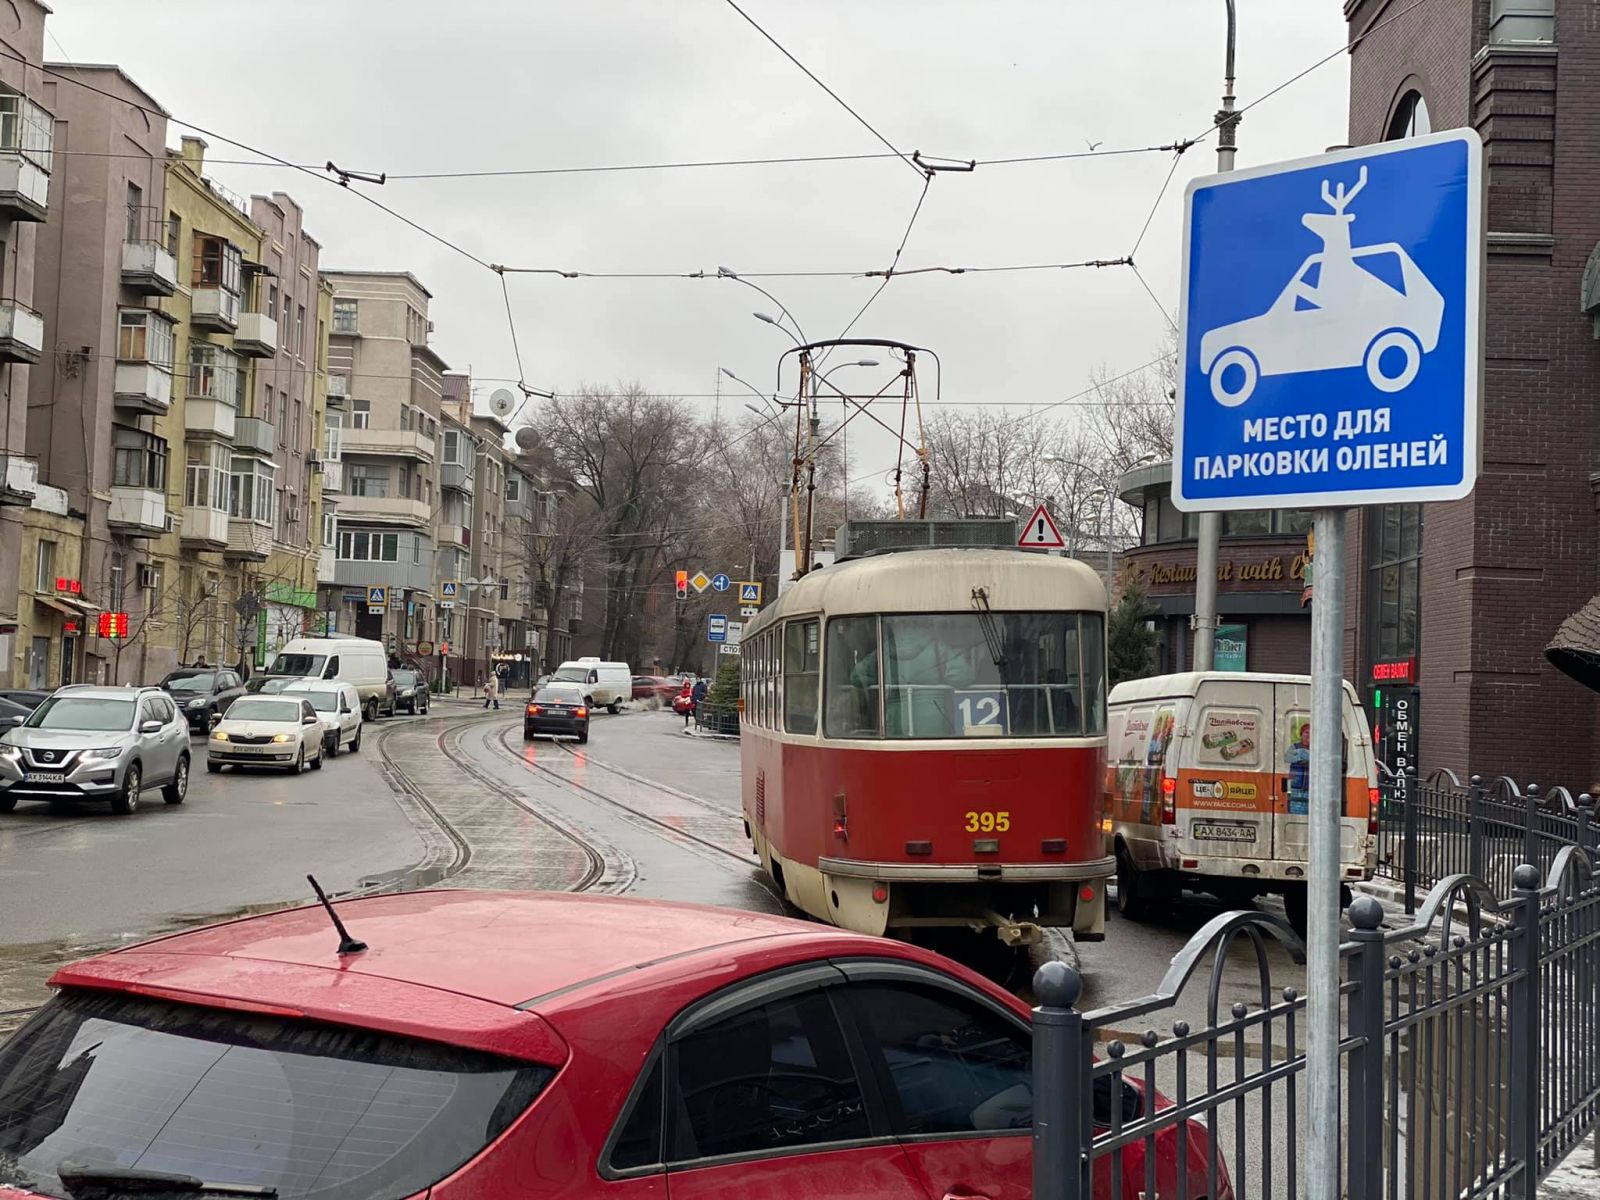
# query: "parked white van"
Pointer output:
{"type": "Point", "coordinates": [606, 684]}
{"type": "Point", "coordinates": [1207, 776]}
{"type": "Point", "coordinates": [357, 661]}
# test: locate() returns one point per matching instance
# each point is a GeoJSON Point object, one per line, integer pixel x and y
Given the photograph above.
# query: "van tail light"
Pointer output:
{"type": "Point", "coordinates": [1169, 796]}
{"type": "Point", "coordinates": [583, 712]}
{"type": "Point", "coordinates": [1374, 805]}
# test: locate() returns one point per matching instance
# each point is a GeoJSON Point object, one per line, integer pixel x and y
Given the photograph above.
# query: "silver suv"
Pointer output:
{"type": "Point", "coordinates": [97, 743]}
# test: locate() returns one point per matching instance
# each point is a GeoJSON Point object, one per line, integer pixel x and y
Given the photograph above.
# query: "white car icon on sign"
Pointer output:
{"type": "Point", "coordinates": [1345, 307]}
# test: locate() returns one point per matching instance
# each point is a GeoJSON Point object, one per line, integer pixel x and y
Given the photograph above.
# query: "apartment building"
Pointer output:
{"type": "Point", "coordinates": [379, 358]}
{"type": "Point", "coordinates": [291, 395]}
{"type": "Point", "coordinates": [97, 406]}
{"type": "Point", "coordinates": [27, 132]}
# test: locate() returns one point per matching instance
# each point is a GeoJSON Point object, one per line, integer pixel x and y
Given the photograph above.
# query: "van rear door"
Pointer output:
{"type": "Point", "coordinates": [1291, 766]}
{"type": "Point", "coordinates": [1225, 800]}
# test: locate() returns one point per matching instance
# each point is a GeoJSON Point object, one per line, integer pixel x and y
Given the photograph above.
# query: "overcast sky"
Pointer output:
{"type": "Point", "coordinates": [406, 87]}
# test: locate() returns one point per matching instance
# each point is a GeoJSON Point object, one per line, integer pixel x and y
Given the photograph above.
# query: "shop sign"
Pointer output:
{"type": "Point", "coordinates": [1278, 573]}
{"type": "Point", "coordinates": [73, 587]}
{"type": "Point", "coordinates": [1397, 713]}
{"type": "Point", "coordinates": [1402, 670]}
{"type": "Point", "coordinates": [1229, 653]}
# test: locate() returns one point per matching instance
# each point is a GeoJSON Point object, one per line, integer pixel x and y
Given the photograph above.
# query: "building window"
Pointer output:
{"type": "Point", "coordinates": [505, 589]}
{"type": "Point", "coordinates": [452, 448]}
{"type": "Point", "coordinates": [344, 316]}
{"type": "Point", "coordinates": [330, 528]}
{"type": "Point", "coordinates": [139, 459]}
{"type": "Point", "coordinates": [251, 496]}
{"type": "Point", "coordinates": [1410, 118]}
{"type": "Point", "coordinates": [513, 489]}
{"type": "Point", "coordinates": [214, 373]}
{"type": "Point", "coordinates": [1394, 580]}
{"type": "Point", "coordinates": [416, 326]}
{"type": "Point", "coordinates": [144, 336]}
{"type": "Point", "coordinates": [206, 483]}
{"type": "Point", "coordinates": [332, 428]}
{"type": "Point", "coordinates": [372, 482]}
{"type": "Point", "coordinates": [135, 230]}
{"type": "Point", "coordinates": [1522, 21]}
{"type": "Point", "coordinates": [360, 414]}
{"type": "Point", "coordinates": [299, 331]}
{"type": "Point", "coordinates": [26, 129]}
{"type": "Point", "coordinates": [294, 426]}
{"type": "Point", "coordinates": [360, 545]}
{"type": "Point", "coordinates": [218, 263]}
{"type": "Point", "coordinates": [285, 503]}
{"type": "Point", "coordinates": [44, 578]}
{"type": "Point", "coordinates": [174, 234]}
{"type": "Point", "coordinates": [405, 483]}
{"type": "Point", "coordinates": [1246, 524]}
{"type": "Point", "coordinates": [272, 302]}
{"type": "Point", "coordinates": [416, 551]}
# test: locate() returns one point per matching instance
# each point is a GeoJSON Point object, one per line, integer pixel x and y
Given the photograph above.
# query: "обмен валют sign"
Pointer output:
{"type": "Point", "coordinates": [1331, 329]}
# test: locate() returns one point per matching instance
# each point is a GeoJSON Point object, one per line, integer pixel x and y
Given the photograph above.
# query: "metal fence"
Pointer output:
{"type": "Point", "coordinates": [1469, 1065]}
{"type": "Point", "coordinates": [1438, 827]}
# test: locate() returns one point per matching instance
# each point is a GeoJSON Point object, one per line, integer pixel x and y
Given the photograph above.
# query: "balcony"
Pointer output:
{"type": "Point", "coordinates": [326, 567]}
{"type": "Point", "coordinates": [138, 510]}
{"type": "Point", "coordinates": [394, 443]}
{"type": "Point", "coordinates": [148, 269]}
{"type": "Point", "coordinates": [454, 535]}
{"type": "Point", "coordinates": [338, 390]}
{"type": "Point", "coordinates": [456, 477]}
{"type": "Point", "coordinates": [19, 479]}
{"type": "Point", "coordinates": [143, 387]}
{"type": "Point", "coordinates": [332, 476]}
{"type": "Point", "coordinates": [209, 418]}
{"type": "Point", "coordinates": [257, 336]}
{"type": "Point", "coordinates": [389, 509]}
{"type": "Point", "coordinates": [24, 188]}
{"type": "Point", "coordinates": [248, 541]}
{"type": "Point", "coordinates": [216, 309]}
{"type": "Point", "coordinates": [205, 529]}
{"type": "Point", "coordinates": [21, 333]}
{"type": "Point", "coordinates": [252, 435]}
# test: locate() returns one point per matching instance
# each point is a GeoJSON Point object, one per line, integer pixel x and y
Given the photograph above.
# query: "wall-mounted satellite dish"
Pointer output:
{"type": "Point", "coordinates": [502, 402]}
{"type": "Point", "coordinates": [527, 437]}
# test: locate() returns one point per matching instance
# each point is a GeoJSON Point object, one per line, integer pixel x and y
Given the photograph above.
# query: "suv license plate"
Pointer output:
{"type": "Point", "coordinates": [1222, 831]}
{"type": "Point", "coordinates": [46, 777]}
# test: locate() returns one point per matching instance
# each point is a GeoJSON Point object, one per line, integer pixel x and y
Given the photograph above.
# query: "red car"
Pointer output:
{"type": "Point", "coordinates": [527, 1045]}
{"type": "Point", "coordinates": [653, 687]}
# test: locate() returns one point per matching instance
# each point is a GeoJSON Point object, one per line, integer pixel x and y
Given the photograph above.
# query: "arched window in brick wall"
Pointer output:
{"type": "Point", "coordinates": [1410, 117]}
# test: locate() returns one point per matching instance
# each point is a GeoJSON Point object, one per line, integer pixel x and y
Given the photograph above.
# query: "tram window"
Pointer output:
{"type": "Point", "coordinates": [851, 691]}
{"type": "Point", "coordinates": [802, 655]}
{"type": "Point", "coordinates": [1094, 675]}
{"type": "Point", "coordinates": [992, 675]}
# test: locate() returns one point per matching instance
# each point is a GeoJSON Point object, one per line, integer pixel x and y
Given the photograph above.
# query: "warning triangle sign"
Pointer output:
{"type": "Point", "coordinates": [1040, 532]}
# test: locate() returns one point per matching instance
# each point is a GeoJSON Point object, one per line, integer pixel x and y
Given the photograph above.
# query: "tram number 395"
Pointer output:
{"type": "Point", "coordinates": [988, 822]}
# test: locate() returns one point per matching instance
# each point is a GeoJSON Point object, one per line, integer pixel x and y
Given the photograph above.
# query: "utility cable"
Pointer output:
{"type": "Point", "coordinates": [837, 98]}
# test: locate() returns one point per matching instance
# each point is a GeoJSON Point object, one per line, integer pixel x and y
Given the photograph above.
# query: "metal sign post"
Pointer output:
{"type": "Point", "coordinates": [1331, 342]}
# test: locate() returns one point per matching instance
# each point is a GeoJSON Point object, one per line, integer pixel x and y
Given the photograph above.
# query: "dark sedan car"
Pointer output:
{"type": "Point", "coordinates": [203, 694]}
{"type": "Point", "coordinates": [410, 691]}
{"type": "Point", "coordinates": [558, 710]}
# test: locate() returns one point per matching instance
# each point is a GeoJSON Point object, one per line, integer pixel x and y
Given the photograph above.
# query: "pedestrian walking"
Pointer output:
{"type": "Point", "coordinates": [697, 696]}
{"type": "Point", "coordinates": [491, 691]}
{"type": "Point", "coordinates": [683, 702]}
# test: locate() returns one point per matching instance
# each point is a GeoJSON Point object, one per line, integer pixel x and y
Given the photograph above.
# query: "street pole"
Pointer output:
{"type": "Point", "coordinates": [1322, 889]}
{"type": "Point", "coordinates": [1209, 530]}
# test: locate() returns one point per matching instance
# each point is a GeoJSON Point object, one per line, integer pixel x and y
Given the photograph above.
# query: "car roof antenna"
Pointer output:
{"type": "Point", "coordinates": [347, 944]}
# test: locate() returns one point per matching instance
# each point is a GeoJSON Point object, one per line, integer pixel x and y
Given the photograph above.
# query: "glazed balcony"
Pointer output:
{"type": "Point", "coordinates": [21, 333]}
{"type": "Point", "coordinates": [256, 336]}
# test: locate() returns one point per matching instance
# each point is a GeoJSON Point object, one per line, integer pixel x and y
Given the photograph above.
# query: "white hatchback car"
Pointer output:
{"type": "Point", "coordinates": [267, 731]}
{"type": "Point", "coordinates": [338, 706]}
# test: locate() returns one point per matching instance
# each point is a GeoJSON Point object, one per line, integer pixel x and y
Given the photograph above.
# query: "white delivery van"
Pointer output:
{"type": "Point", "coordinates": [606, 684]}
{"type": "Point", "coordinates": [1207, 777]}
{"type": "Point", "coordinates": [360, 662]}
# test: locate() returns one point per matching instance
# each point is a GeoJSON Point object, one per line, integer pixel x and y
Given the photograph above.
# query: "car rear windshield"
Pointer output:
{"type": "Point", "coordinates": [559, 695]}
{"type": "Point", "coordinates": [251, 708]}
{"type": "Point", "coordinates": [311, 1110]}
{"type": "Point", "coordinates": [84, 713]}
{"type": "Point", "coordinates": [298, 664]}
{"type": "Point", "coordinates": [201, 681]}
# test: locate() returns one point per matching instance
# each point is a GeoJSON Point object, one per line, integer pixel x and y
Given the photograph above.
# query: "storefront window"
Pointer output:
{"type": "Point", "coordinates": [1246, 524]}
{"type": "Point", "coordinates": [1394, 576]}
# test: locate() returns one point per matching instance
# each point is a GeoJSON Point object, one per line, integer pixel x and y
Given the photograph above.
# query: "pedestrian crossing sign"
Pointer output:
{"type": "Point", "coordinates": [448, 589]}
{"type": "Point", "coordinates": [749, 592]}
{"type": "Point", "coordinates": [377, 597]}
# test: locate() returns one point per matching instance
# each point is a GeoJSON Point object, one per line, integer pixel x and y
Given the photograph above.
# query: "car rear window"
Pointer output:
{"type": "Point", "coordinates": [311, 1110]}
{"type": "Point", "coordinates": [559, 695]}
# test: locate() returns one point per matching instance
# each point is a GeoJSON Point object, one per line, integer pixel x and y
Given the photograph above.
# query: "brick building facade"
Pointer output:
{"type": "Point", "coordinates": [1474, 590]}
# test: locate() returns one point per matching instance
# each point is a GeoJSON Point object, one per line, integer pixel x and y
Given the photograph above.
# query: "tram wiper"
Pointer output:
{"type": "Point", "coordinates": [991, 630]}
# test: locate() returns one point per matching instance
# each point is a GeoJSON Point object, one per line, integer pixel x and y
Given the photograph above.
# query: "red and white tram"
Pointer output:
{"type": "Point", "coordinates": [923, 743]}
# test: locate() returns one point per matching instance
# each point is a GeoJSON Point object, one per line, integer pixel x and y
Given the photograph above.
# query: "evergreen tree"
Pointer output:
{"type": "Point", "coordinates": [1131, 645]}
{"type": "Point", "coordinates": [724, 690]}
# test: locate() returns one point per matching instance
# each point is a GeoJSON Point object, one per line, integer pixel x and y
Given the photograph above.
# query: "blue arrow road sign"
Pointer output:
{"type": "Point", "coordinates": [716, 628]}
{"type": "Point", "coordinates": [721, 582]}
{"type": "Point", "coordinates": [1331, 329]}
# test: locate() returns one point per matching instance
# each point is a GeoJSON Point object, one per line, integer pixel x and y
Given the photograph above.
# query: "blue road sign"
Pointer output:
{"type": "Point", "coordinates": [721, 582]}
{"type": "Point", "coordinates": [749, 592]}
{"type": "Point", "coordinates": [1331, 329]}
{"type": "Point", "coordinates": [377, 597]}
{"type": "Point", "coordinates": [716, 628]}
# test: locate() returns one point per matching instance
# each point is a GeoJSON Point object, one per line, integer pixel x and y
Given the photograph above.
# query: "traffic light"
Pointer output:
{"type": "Point", "coordinates": [113, 624]}
{"type": "Point", "coordinates": [683, 585]}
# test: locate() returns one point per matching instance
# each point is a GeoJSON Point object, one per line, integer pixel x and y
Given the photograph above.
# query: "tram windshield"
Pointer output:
{"type": "Point", "coordinates": [944, 675]}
